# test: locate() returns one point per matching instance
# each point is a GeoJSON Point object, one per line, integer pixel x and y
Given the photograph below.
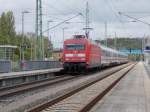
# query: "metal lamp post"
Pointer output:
{"type": "Point", "coordinates": [48, 35]}
{"type": "Point", "coordinates": [106, 34]}
{"type": "Point", "coordinates": [48, 32]}
{"type": "Point", "coordinates": [23, 38]}
{"type": "Point", "coordinates": [63, 29]}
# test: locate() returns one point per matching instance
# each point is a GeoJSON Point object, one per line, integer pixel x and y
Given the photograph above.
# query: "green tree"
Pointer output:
{"type": "Point", "coordinates": [47, 47]}
{"type": "Point", "coordinates": [10, 24]}
{"type": "Point", "coordinates": [3, 32]}
{"type": "Point", "coordinates": [7, 28]}
{"type": "Point", "coordinates": [124, 43]}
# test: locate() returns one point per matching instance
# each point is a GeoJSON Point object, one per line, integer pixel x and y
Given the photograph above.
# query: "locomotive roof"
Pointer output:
{"type": "Point", "coordinates": [82, 40]}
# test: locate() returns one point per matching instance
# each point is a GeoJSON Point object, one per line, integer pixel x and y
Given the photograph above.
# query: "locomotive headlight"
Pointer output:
{"type": "Point", "coordinates": [67, 59]}
{"type": "Point", "coordinates": [83, 59]}
{"type": "Point", "coordinates": [68, 55]}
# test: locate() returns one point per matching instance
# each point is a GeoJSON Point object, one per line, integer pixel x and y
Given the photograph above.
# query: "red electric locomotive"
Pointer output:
{"type": "Point", "coordinates": [80, 54]}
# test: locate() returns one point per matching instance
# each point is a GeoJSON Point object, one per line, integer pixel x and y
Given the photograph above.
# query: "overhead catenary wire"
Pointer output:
{"type": "Point", "coordinates": [76, 10]}
{"type": "Point", "coordinates": [115, 12]}
{"type": "Point", "coordinates": [62, 22]}
{"type": "Point", "coordinates": [134, 18]}
{"type": "Point", "coordinates": [111, 7]}
{"type": "Point", "coordinates": [48, 5]}
{"type": "Point", "coordinates": [59, 12]}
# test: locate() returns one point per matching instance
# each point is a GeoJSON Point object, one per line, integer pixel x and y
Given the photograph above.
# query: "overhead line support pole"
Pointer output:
{"type": "Point", "coordinates": [106, 34]}
{"type": "Point", "coordinates": [134, 18]}
{"type": "Point", "coordinates": [62, 22]}
{"type": "Point", "coordinates": [39, 52]}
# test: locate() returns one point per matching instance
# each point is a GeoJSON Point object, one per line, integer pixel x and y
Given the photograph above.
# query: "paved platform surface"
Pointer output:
{"type": "Point", "coordinates": [27, 73]}
{"type": "Point", "coordinates": [131, 94]}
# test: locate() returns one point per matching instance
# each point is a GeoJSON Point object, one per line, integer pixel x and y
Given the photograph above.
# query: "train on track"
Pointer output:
{"type": "Point", "coordinates": [81, 54]}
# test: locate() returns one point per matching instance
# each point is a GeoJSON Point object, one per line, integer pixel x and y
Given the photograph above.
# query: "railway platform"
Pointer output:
{"type": "Point", "coordinates": [131, 94]}
{"type": "Point", "coordinates": [13, 78]}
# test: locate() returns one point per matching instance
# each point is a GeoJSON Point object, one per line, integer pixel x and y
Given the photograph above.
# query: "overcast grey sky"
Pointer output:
{"type": "Point", "coordinates": [100, 11]}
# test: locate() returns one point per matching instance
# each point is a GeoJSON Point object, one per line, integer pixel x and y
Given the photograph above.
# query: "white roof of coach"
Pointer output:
{"type": "Point", "coordinates": [112, 50]}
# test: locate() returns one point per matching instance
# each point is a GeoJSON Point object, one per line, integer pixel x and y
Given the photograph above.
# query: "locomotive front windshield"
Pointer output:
{"type": "Point", "coordinates": [75, 47]}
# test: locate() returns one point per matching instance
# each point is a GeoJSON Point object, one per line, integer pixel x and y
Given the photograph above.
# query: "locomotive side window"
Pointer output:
{"type": "Point", "coordinates": [75, 47]}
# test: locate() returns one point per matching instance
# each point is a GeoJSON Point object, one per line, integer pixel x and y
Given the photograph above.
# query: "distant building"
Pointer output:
{"type": "Point", "coordinates": [57, 54]}
{"type": "Point", "coordinates": [7, 52]}
{"type": "Point", "coordinates": [134, 55]}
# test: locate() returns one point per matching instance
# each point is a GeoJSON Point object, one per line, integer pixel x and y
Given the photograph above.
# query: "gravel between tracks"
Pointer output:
{"type": "Point", "coordinates": [36, 97]}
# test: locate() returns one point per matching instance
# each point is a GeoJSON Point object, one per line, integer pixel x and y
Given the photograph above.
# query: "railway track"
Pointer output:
{"type": "Point", "coordinates": [81, 99]}
{"type": "Point", "coordinates": [10, 91]}
{"type": "Point", "coordinates": [16, 89]}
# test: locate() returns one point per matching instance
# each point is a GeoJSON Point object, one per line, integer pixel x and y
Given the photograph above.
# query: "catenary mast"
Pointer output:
{"type": "Point", "coordinates": [39, 50]}
{"type": "Point", "coordinates": [87, 23]}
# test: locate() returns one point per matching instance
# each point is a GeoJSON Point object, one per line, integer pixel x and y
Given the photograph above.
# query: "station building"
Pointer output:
{"type": "Point", "coordinates": [57, 54]}
{"type": "Point", "coordinates": [7, 52]}
{"type": "Point", "coordinates": [6, 58]}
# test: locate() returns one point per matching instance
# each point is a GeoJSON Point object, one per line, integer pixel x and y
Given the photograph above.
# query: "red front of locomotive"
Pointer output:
{"type": "Point", "coordinates": [75, 54]}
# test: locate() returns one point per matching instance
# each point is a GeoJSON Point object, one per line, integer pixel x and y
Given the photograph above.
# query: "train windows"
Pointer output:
{"type": "Point", "coordinates": [75, 47]}
{"type": "Point", "coordinates": [103, 52]}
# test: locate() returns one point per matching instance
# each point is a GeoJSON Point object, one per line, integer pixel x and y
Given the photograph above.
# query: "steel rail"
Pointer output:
{"type": "Point", "coordinates": [18, 88]}
{"type": "Point", "coordinates": [70, 93]}
{"type": "Point", "coordinates": [90, 105]}
{"type": "Point", "coordinates": [33, 85]}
